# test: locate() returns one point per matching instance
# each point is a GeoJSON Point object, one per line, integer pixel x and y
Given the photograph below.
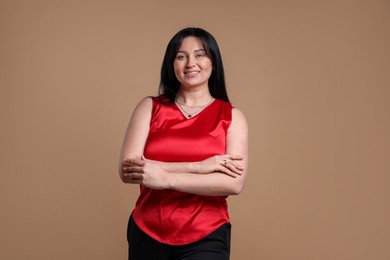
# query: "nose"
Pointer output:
{"type": "Point", "coordinates": [190, 62]}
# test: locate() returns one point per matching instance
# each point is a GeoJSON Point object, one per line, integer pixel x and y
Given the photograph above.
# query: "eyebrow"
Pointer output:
{"type": "Point", "coordinates": [194, 51]}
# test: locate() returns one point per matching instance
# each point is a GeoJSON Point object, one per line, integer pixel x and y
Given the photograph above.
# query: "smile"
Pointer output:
{"type": "Point", "coordinates": [191, 73]}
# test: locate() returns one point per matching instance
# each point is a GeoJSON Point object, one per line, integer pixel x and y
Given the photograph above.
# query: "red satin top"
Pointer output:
{"type": "Point", "coordinates": [175, 217]}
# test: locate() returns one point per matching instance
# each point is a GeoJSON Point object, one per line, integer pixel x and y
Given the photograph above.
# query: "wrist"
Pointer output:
{"type": "Point", "coordinates": [171, 181]}
{"type": "Point", "coordinates": [194, 167]}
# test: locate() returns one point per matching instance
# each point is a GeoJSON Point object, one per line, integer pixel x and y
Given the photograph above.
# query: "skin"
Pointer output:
{"type": "Point", "coordinates": [193, 68]}
{"type": "Point", "coordinates": [219, 175]}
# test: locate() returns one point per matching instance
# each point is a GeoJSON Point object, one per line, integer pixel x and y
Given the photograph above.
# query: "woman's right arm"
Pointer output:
{"type": "Point", "coordinates": [136, 134]}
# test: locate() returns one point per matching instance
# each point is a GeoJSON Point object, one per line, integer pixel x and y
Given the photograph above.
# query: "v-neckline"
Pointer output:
{"type": "Point", "coordinates": [196, 114]}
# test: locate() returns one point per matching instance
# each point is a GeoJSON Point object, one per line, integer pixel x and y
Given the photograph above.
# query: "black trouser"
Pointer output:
{"type": "Point", "coordinates": [215, 246]}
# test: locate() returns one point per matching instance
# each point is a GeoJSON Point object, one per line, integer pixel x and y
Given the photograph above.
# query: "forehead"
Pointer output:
{"type": "Point", "coordinates": [191, 43]}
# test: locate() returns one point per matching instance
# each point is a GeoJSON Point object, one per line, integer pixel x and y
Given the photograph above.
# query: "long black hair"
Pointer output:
{"type": "Point", "coordinates": [169, 85]}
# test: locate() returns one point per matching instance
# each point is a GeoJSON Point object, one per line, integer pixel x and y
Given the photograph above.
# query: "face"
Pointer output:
{"type": "Point", "coordinates": [192, 65]}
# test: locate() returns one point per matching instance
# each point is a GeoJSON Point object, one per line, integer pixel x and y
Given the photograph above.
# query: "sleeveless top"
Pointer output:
{"type": "Point", "coordinates": [174, 217]}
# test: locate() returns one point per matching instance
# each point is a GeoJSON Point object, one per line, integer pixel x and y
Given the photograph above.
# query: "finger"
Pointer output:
{"type": "Point", "coordinates": [126, 164]}
{"type": "Point", "coordinates": [234, 156]}
{"type": "Point", "coordinates": [232, 167]}
{"type": "Point", "coordinates": [237, 166]}
{"type": "Point", "coordinates": [136, 181]}
{"type": "Point", "coordinates": [228, 169]}
{"type": "Point", "coordinates": [133, 169]}
{"type": "Point", "coordinates": [134, 161]}
{"type": "Point", "coordinates": [133, 176]}
{"type": "Point", "coordinates": [228, 172]}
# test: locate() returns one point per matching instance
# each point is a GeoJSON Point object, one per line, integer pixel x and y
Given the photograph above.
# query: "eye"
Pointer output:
{"type": "Point", "coordinates": [200, 54]}
{"type": "Point", "coordinates": [180, 57]}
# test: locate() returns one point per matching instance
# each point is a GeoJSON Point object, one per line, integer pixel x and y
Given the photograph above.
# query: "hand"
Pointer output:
{"type": "Point", "coordinates": [144, 172]}
{"type": "Point", "coordinates": [227, 164]}
{"type": "Point", "coordinates": [125, 169]}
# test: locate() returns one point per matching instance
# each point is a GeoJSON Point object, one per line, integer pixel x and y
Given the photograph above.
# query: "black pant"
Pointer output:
{"type": "Point", "coordinates": [215, 246]}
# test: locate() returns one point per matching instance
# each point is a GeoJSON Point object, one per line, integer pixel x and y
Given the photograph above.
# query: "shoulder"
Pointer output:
{"type": "Point", "coordinates": [236, 114]}
{"type": "Point", "coordinates": [238, 120]}
{"type": "Point", "coordinates": [145, 103]}
{"type": "Point", "coordinates": [224, 107]}
{"type": "Point", "coordinates": [149, 100]}
{"type": "Point", "coordinates": [149, 105]}
{"type": "Point", "coordinates": [161, 99]}
{"type": "Point", "coordinates": [143, 108]}
{"type": "Point", "coordinates": [224, 103]}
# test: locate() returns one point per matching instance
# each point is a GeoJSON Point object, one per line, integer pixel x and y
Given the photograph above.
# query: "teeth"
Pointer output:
{"type": "Point", "coordinates": [191, 73]}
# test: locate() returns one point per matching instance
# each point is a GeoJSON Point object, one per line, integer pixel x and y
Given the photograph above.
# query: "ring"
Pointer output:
{"type": "Point", "coordinates": [225, 162]}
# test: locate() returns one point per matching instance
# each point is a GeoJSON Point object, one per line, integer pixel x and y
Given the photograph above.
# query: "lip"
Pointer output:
{"type": "Point", "coordinates": [191, 72]}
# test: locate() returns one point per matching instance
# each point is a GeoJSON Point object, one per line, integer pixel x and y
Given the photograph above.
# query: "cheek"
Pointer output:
{"type": "Point", "coordinates": [176, 69]}
{"type": "Point", "coordinates": [207, 65]}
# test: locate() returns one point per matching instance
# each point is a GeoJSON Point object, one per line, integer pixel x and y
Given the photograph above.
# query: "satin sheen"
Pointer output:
{"type": "Point", "coordinates": [175, 217]}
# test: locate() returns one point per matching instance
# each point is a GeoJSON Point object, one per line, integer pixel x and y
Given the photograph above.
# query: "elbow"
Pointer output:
{"type": "Point", "coordinates": [237, 188]}
{"type": "Point", "coordinates": [236, 191]}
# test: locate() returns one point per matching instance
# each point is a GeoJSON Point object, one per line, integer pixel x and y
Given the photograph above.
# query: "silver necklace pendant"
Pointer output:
{"type": "Point", "coordinates": [194, 113]}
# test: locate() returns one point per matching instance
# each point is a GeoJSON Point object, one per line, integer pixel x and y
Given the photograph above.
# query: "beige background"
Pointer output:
{"type": "Point", "coordinates": [311, 76]}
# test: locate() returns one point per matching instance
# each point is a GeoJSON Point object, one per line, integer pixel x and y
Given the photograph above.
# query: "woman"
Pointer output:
{"type": "Point", "coordinates": [188, 151]}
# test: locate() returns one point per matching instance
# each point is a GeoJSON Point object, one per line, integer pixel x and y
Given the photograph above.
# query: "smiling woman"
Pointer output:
{"type": "Point", "coordinates": [188, 151]}
{"type": "Point", "coordinates": [192, 64]}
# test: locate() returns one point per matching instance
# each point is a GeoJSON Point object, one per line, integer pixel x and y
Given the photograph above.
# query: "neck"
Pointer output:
{"type": "Point", "coordinates": [194, 98]}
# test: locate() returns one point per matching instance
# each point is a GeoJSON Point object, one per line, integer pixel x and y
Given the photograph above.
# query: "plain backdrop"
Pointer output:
{"type": "Point", "coordinates": [312, 78]}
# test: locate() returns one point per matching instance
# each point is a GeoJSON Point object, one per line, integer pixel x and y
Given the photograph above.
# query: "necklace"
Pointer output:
{"type": "Point", "coordinates": [191, 111]}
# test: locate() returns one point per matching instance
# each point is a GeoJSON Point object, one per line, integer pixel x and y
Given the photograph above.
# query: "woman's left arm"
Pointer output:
{"type": "Point", "coordinates": [154, 176]}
